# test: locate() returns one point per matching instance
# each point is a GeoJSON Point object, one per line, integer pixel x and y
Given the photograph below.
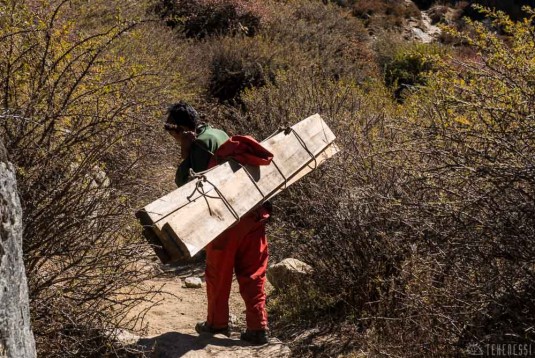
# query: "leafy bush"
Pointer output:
{"type": "Point", "coordinates": [512, 8]}
{"type": "Point", "coordinates": [381, 14]}
{"type": "Point", "coordinates": [420, 231]}
{"type": "Point", "coordinates": [315, 219]}
{"type": "Point", "coordinates": [240, 63]}
{"type": "Point", "coordinates": [200, 18]}
{"type": "Point", "coordinates": [72, 101]}
{"type": "Point", "coordinates": [299, 34]}
{"type": "Point", "coordinates": [406, 66]}
{"type": "Point", "coordinates": [471, 126]}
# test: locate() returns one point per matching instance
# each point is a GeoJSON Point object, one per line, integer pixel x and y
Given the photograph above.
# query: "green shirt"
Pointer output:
{"type": "Point", "coordinates": [207, 142]}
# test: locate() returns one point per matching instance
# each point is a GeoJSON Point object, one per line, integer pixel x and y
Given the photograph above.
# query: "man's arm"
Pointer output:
{"type": "Point", "coordinates": [182, 172]}
{"type": "Point", "coordinates": [200, 156]}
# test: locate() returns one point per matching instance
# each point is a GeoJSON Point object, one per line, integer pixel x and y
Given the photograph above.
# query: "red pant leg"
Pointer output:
{"type": "Point", "coordinates": [243, 247]}
{"type": "Point", "coordinates": [218, 275]}
{"type": "Point", "coordinates": [251, 265]}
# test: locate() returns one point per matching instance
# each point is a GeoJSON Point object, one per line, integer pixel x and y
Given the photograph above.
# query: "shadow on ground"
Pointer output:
{"type": "Point", "coordinates": [175, 345]}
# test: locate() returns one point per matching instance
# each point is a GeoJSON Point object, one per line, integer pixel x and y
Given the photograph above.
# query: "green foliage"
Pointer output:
{"type": "Point", "coordinates": [478, 121]}
{"type": "Point", "coordinates": [410, 66]}
{"type": "Point", "coordinates": [511, 8]}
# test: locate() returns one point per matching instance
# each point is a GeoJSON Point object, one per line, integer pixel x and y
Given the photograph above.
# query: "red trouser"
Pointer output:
{"type": "Point", "coordinates": [242, 248]}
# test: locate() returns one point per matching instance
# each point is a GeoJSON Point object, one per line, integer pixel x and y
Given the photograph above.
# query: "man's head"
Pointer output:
{"type": "Point", "coordinates": [181, 115]}
{"type": "Point", "coordinates": [181, 122]}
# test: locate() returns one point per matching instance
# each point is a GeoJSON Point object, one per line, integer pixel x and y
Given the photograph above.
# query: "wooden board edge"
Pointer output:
{"type": "Point", "coordinates": [186, 251]}
{"type": "Point", "coordinates": [154, 241]}
{"type": "Point", "coordinates": [150, 233]}
{"type": "Point", "coordinates": [329, 151]}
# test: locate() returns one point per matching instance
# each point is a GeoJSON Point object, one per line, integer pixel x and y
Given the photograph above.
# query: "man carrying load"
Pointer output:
{"type": "Point", "coordinates": [243, 247]}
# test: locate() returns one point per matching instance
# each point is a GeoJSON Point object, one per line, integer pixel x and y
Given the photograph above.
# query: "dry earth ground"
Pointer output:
{"type": "Point", "coordinates": [170, 324]}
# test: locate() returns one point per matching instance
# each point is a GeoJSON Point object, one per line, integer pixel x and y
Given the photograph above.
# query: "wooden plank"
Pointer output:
{"type": "Point", "coordinates": [312, 130]}
{"type": "Point", "coordinates": [160, 208]}
{"type": "Point", "coordinates": [192, 246]}
{"type": "Point", "coordinates": [207, 217]}
{"type": "Point", "coordinates": [185, 220]}
{"type": "Point", "coordinates": [159, 248]}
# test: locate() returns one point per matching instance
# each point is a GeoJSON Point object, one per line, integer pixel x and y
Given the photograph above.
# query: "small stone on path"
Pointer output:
{"type": "Point", "coordinates": [193, 282]}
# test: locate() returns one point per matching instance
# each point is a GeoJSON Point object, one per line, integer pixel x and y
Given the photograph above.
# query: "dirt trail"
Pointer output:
{"type": "Point", "coordinates": [171, 323]}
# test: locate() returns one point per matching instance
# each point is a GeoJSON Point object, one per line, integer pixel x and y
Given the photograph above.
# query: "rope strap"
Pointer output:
{"type": "Point", "coordinates": [201, 177]}
{"type": "Point", "coordinates": [250, 177]}
{"type": "Point", "coordinates": [199, 187]}
{"type": "Point", "coordinates": [287, 130]}
{"type": "Point", "coordinates": [303, 144]}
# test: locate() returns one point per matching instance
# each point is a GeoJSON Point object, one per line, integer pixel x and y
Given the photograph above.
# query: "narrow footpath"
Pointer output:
{"type": "Point", "coordinates": [171, 323]}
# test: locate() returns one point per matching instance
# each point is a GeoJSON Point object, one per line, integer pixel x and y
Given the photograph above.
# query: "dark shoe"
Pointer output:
{"type": "Point", "coordinates": [204, 327]}
{"type": "Point", "coordinates": [256, 337]}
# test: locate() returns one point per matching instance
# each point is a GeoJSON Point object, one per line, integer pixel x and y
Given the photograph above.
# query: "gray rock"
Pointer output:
{"type": "Point", "coordinates": [193, 282]}
{"type": "Point", "coordinates": [286, 272]}
{"type": "Point", "coordinates": [100, 178]}
{"type": "Point", "coordinates": [125, 337]}
{"type": "Point", "coordinates": [421, 30]}
{"type": "Point", "coordinates": [421, 35]}
{"type": "Point", "coordinates": [16, 337]}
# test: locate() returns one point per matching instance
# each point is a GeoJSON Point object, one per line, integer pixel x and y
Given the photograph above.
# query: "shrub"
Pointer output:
{"type": "Point", "coordinates": [512, 8]}
{"type": "Point", "coordinates": [72, 101]}
{"type": "Point", "coordinates": [240, 63]}
{"type": "Point", "coordinates": [471, 125]}
{"type": "Point", "coordinates": [315, 218]}
{"type": "Point", "coordinates": [438, 13]}
{"type": "Point", "coordinates": [200, 18]}
{"type": "Point", "coordinates": [323, 36]}
{"type": "Point", "coordinates": [409, 66]}
{"type": "Point", "coordinates": [420, 230]}
{"type": "Point", "coordinates": [385, 14]}
{"type": "Point", "coordinates": [300, 34]}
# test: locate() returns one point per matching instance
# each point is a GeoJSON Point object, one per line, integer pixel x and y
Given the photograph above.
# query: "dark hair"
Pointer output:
{"type": "Point", "coordinates": [182, 114]}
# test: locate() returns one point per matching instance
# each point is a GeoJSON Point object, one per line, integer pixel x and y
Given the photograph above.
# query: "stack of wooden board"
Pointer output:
{"type": "Point", "coordinates": [181, 223]}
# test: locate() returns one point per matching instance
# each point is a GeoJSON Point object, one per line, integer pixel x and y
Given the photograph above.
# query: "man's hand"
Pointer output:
{"type": "Point", "coordinates": [189, 136]}
{"type": "Point", "coordinates": [186, 139]}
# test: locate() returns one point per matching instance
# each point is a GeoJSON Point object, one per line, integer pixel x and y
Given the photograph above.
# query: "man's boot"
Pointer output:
{"type": "Point", "coordinates": [256, 337]}
{"type": "Point", "coordinates": [204, 327]}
